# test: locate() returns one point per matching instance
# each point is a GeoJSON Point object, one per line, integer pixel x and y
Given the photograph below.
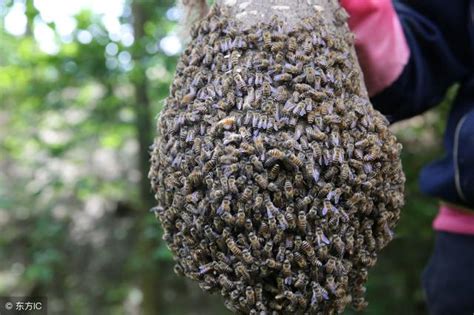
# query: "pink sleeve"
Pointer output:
{"type": "Point", "coordinates": [380, 43]}
{"type": "Point", "coordinates": [451, 219]}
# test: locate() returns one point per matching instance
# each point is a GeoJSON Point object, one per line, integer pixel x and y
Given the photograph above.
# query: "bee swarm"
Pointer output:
{"type": "Point", "coordinates": [277, 182]}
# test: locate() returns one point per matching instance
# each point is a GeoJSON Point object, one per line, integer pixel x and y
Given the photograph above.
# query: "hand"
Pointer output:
{"type": "Point", "coordinates": [380, 43]}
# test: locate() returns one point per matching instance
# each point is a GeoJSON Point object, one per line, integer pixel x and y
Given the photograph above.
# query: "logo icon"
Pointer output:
{"type": "Point", "coordinates": [9, 306]}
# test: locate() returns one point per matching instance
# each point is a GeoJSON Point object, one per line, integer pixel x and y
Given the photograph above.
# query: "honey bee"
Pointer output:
{"type": "Point", "coordinates": [373, 154]}
{"type": "Point", "coordinates": [308, 46]}
{"type": "Point", "coordinates": [242, 271]}
{"type": "Point", "coordinates": [232, 185]}
{"type": "Point", "coordinates": [271, 208]}
{"type": "Point", "coordinates": [359, 303]}
{"type": "Point", "coordinates": [293, 69]}
{"type": "Point", "coordinates": [301, 280]}
{"type": "Point", "coordinates": [247, 148]}
{"type": "Point", "coordinates": [254, 241]}
{"type": "Point", "coordinates": [338, 245]}
{"type": "Point", "coordinates": [188, 98]}
{"type": "Point", "coordinates": [259, 145]}
{"type": "Point", "coordinates": [227, 123]}
{"type": "Point", "coordinates": [286, 295]}
{"type": "Point", "coordinates": [312, 213]}
{"type": "Point", "coordinates": [302, 221]}
{"type": "Point", "coordinates": [267, 249]}
{"type": "Point", "coordinates": [239, 81]}
{"type": "Point", "coordinates": [234, 57]}
{"type": "Point", "coordinates": [233, 247]}
{"type": "Point", "coordinates": [277, 47]}
{"type": "Point", "coordinates": [179, 270]}
{"type": "Point", "coordinates": [292, 44]}
{"type": "Point", "coordinates": [261, 63]}
{"type": "Point", "coordinates": [258, 80]}
{"type": "Point", "coordinates": [225, 282]}
{"type": "Point", "coordinates": [247, 256]}
{"type": "Point", "coordinates": [247, 194]}
{"type": "Point", "coordinates": [274, 172]}
{"type": "Point", "coordinates": [210, 234]}
{"type": "Point", "coordinates": [319, 293]}
{"type": "Point", "coordinates": [302, 107]}
{"type": "Point", "coordinates": [335, 195]}
{"type": "Point", "coordinates": [266, 89]}
{"type": "Point", "coordinates": [286, 268]}
{"type": "Point", "coordinates": [256, 163]}
{"type": "Point", "coordinates": [267, 39]}
{"type": "Point", "coordinates": [304, 202]}
{"type": "Point", "coordinates": [362, 143]}
{"type": "Point", "coordinates": [249, 295]}
{"type": "Point", "coordinates": [327, 206]}
{"type": "Point", "coordinates": [272, 263]}
{"type": "Point", "coordinates": [310, 74]}
{"type": "Point", "coordinates": [355, 199]}
{"type": "Point", "coordinates": [330, 266]}
{"type": "Point", "coordinates": [330, 284]}
{"type": "Point", "coordinates": [281, 94]}
{"type": "Point", "coordinates": [316, 134]}
{"type": "Point", "coordinates": [283, 224]}
{"type": "Point", "coordinates": [228, 218]}
{"type": "Point", "coordinates": [359, 154]}
{"type": "Point", "coordinates": [283, 77]}
{"type": "Point", "coordinates": [240, 217]}
{"type": "Point", "coordinates": [264, 230]}
{"type": "Point", "coordinates": [258, 201]}
{"type": "Point", "coordinates": [290, 220]}
{"type": "Point", "coordinates": [272, 225]}
{"type": "Point", "coordinates": [300, 260]}
{"type": "Point", "coordinates": [276, 154]}
{"type": "Point", "coordinates": [299, 180]}
{"type": "Point", "coordinates": [349, 241]}
{"type": "Point", "coordinates": [302, 87]}
{"type": "Point", "coordinates": [289, 191]}
{"type": "Point", "coordinates": [295, 161]}
{"type": "Point", "coordinates": [253, 38]}
{"type": "Point", "coordinates": [358, 165]}
{"type": "Point", "coordinates": [320, 237]}
{"type": "Point", "coordinates": [232, 138]}
{"type": "Point", "coordinates": [224, 207]}
{"type": "Point", "coordinates": [307, 248]}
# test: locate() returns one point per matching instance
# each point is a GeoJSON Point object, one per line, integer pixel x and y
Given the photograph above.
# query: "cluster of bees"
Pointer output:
{"type": "Point", "coordinates": [277, 182]}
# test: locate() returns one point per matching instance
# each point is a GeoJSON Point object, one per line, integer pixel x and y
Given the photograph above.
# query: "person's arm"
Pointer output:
{"type": "Point", "coordinates": [407, 62]}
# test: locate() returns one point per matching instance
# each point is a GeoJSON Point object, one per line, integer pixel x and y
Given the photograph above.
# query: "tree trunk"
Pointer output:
{"type": "Point", "coordinates": [150, 272]}
{"type": "Point", "coordinates": [142, 109]}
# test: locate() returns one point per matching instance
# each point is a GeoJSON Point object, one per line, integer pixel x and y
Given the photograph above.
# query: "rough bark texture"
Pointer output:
{"type": "Point", "coordinates": [292, 11]}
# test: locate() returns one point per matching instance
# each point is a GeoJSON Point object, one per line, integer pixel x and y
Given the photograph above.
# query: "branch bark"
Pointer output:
{"type": "Point", "coordinates": [251, 12]}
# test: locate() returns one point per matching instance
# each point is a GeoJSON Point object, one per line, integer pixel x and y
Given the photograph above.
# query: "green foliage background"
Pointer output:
{"type": "Point", "coordinates": [74, 132]}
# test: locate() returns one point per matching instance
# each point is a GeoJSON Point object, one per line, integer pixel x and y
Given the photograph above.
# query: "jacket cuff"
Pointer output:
{"type": "Point", "coordinates": [380, 42]}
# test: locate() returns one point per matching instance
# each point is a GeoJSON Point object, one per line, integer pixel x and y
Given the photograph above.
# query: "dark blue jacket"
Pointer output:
{"type": "Point", "coordinates": [440, 35]}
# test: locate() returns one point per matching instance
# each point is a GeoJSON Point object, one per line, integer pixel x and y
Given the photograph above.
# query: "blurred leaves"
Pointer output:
{"type": "Point", "coordinates": [68, 160]}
